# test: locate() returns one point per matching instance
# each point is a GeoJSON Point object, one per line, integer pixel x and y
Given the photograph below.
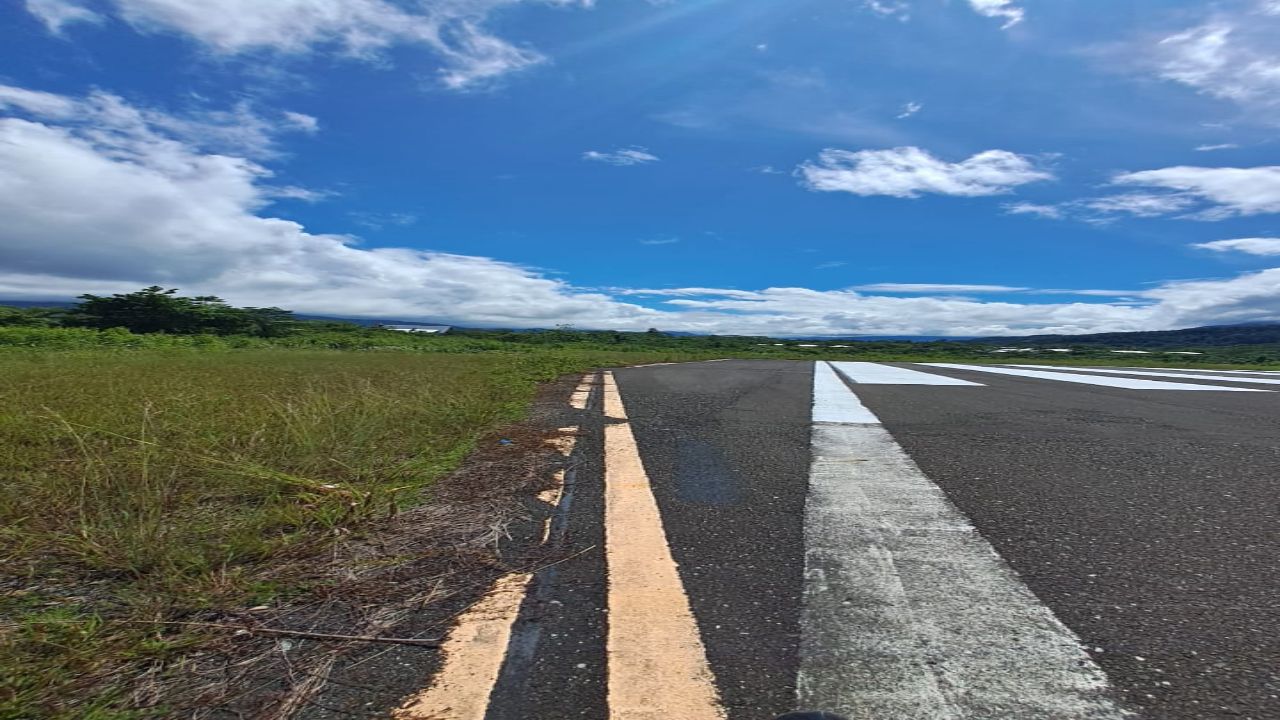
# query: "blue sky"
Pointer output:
{"type": "Point", "coordinates": [741, 166]}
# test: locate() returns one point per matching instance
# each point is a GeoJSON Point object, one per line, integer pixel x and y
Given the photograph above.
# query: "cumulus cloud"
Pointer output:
{"type": "Point", "coordinates": [100, 196]}
{"type": "Point", "coordinates": [99, 199]}
{"type": "Point", "coordinates": [907, 172]}
{"type": "Point", "coordinates": [1005, 9]}
{"type": "Point", "coordinates": [453, 29]}
{"type": "Point", "coordinates": [1197, 193]}
{"type": "Point", "coordinates": [1232, 56]}
{"type": "Point", "coordinates": [1250, 246]}
{"type": "Point", "coordinates": [1221, 192]}
{"type": "Point", "coordinates": [621, 157]}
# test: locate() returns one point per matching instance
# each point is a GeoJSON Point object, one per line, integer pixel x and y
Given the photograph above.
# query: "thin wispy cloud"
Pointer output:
{"type": "Point", "coordinates": [927, 288]}
{"type": "Point", "coordinates": [1266, 246]}
{"type": "Point", "coordinates": [830, 265]}
{"type": "Point", "coordinates": [1002, 9]}
{"type": "Point", "coordinates": [1052, 212]}
{"type": "Point", "coordinates": [660, 241]}
{"type": "Point", "coordinates": [622, 157]}
{"type": "Point", "coordinates": [1220, 146]}
{"type": "Point", "coordinates": [910, 109]}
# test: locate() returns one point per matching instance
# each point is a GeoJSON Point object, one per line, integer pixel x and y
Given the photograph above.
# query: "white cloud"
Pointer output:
{"type": "Point", "coordinates": [1225, 192]}
{"type": "Point", "coordinates": [910, 109]}
{"type": "Point", "coordinates": [305, 123]}
{"type": "Point", "coordinates": [830, 265]}
{"type": "Point", "coordinates": [925, 288]}
{"type": "Point", "coordinates": [1138, 204]}
{"type": "Point", "coordinates": [899, 9]}
{"type": "Point", "coordinates": [56, 14]}
{"type": "Point", "coordinates": [1220, 146]}
{"type": "Point", "coordinates": [1052, 212]}
{"type": "Point", "coordinates": [1232, 56]}
{"type": "Point", "coordinates": [622, 156]}
{"type": "Point", "coordinates": [660, 241]}
{"type": "Point", "coordinates": [453, 29]}
{"type": "Point", "coordinates": [1250, 246]}
{"type": "Point", "coordinates": [378, 221]}
{"type": "Point", "coordinates": [1005, 9]}
{"type": "Point", "coordinates": [907, 172]}
{"type": "Point", "coordinates": [99, 196]}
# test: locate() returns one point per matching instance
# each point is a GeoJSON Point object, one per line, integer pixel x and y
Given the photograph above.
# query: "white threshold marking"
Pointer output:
{"type": "Point", "coordinates": [840, 405]}
{"type": "Point", "coordinates": [865, 373]}
{"type": "Point", "coordinates": [1127, 383]}
{"type": "Point", "coordinates": [657, 665]}
{"type": "Point", "coordinates": [908, 611]}
{"type": "Point", "coordinates": [1160, 373]}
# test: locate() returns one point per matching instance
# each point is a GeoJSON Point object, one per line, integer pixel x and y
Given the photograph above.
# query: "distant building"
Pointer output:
{"type": "Point", "coordinates": [425, 329]}
{"type": "Point", "coordinates": [808, 346]}
{"type": "Point", "coordinates": [1009, 350]}
{"type": "Point", "coordinates": [1062, 350]}
{"type": "Point", "coordinates": [1132, 352]}
{"type": "Point", "coordinates": [1182, 352]}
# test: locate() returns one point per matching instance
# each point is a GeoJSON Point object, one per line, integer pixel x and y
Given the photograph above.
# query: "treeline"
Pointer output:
{"type": "Point", "coordinates": [155, 317]}
{"type": "Point", "coordinates": [157, 310]}
{"type": "Point", "coordinates": [1209, 336]}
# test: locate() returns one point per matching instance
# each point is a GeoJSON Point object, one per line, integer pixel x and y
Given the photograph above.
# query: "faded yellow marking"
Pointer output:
{"type": "Point", "coordinates": [552, 494]}
{"type": "Point", "coordinates": [565, 441]}
{"type": "Point", "coordinates": [583, 392]}
{"type": "Point", "coordinates": [657, 665]}
{"type": "Point", "coordinates": [473, 655]}
{"type": "Point", "coordinates": [552, 498]}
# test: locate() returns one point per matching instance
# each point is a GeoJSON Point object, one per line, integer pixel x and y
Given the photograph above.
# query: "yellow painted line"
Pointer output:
{"type": "Point", "coordinates": [473, 656]}
{"type": "Point", "coordinates": [657, 665]}
{"type": "Point", "coordinates": [583, 392]}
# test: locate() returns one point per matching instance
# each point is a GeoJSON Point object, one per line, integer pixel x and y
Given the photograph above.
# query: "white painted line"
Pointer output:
{"type": "Point", "coordinates": [865, 373]}
{"type": "Point", "coordinates": [657, 665]}
{"type": "Point", "coordinates": [473, 656]}
{"type": "Point", "coordinates": [909, 613]}
{"type": "Point", "coordinates": [1241, 372]}
{"type": "Point", "coordinates": [1157, 373]}
{"type": "Point", "coordinates": [832, 400]}
{"type": "Point", "coordinates": [1127, 383]}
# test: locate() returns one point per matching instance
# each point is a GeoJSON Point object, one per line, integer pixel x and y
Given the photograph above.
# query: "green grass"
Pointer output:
{"type": "Point", "coordinates": [150, 485]}
{"type": "Point", "coordinates": [158, 478]}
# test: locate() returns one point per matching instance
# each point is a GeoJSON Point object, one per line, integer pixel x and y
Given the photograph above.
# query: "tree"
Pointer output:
{"type": "Point", "coordinates": [155, 309]}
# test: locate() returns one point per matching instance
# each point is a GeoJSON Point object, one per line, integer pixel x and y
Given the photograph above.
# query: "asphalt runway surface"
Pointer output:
{"type": "Point", "coordinates": [913, 541]}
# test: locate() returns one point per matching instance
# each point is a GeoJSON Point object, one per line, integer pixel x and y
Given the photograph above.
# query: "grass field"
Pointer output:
{"type": "Point", "coordinates": [144, 486]}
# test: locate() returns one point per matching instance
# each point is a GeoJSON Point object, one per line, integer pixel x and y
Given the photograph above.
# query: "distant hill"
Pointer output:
{"type": "Point", "coordinates": [1263, 333]}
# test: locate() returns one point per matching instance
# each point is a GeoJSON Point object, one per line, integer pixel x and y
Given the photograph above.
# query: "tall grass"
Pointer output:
{"type": "Point", "coordinates": [150, 484]}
